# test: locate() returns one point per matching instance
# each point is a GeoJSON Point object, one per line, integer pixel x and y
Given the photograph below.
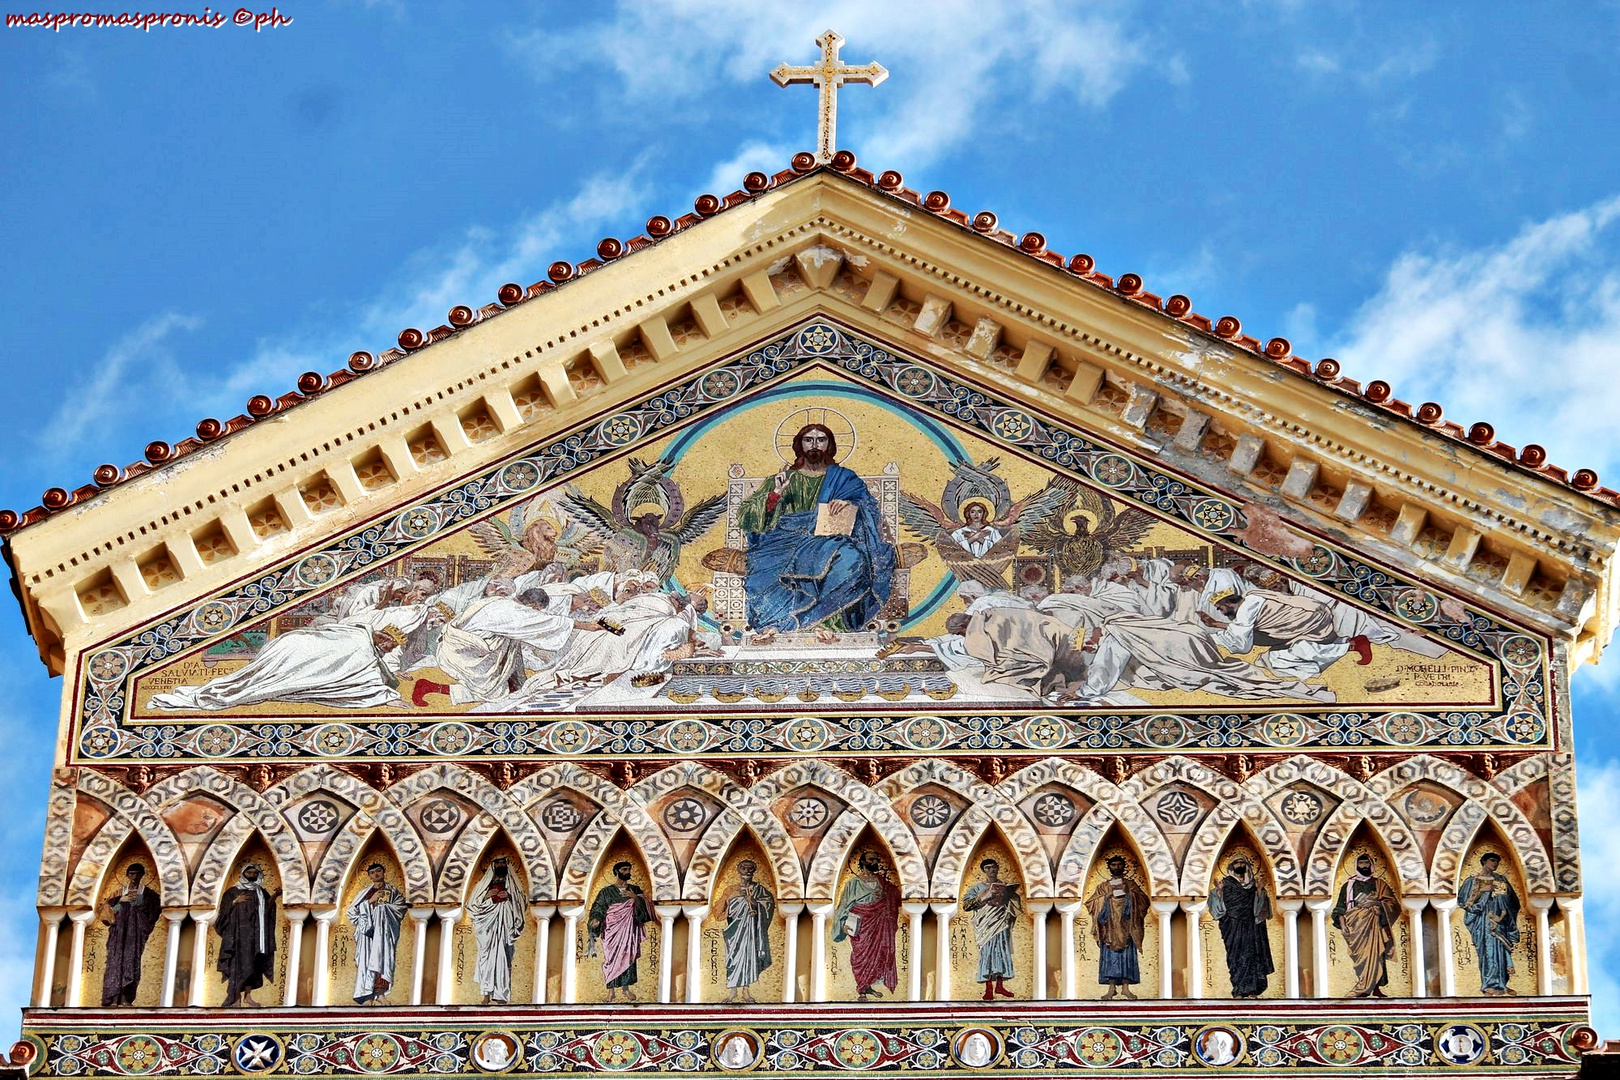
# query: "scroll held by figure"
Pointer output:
{"type": "Point", "coordinates": [376, 915]}
{"type": "Point", "coordinates": [247, 928]}
{"type": "Point", "coordinates": [130, 915]}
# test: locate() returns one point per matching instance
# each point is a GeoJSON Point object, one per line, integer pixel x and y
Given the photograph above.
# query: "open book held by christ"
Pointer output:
{"type": "Point", "coordinates": [835, 519]}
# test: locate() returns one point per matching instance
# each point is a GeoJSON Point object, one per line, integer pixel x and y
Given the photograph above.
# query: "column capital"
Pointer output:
{"type": "Point", "coordinates": [914, 907]}
{"type": "Point", "coordinates": [420, 914]}
{"type": "Point", "coordinates": [821, 908]}
{"type": "Point", "coordinates": [296, 914]}
{"type": "Point", "coordinates": [448, 914]}
{"type": "Point", "coordinates": [1038, 907]}
{"type": "Point", "coordinates": [1540, 903]}
{"type": "Point", "coordinates": [943, 909]}
{"type": "Point", "coordinates": [82, 916]}
{"type": "Point", "coordinates": [1569, 903]}
{"type": "Point", "coordinates": [176, 914]}
{"type": "Point", "coordinates": [789, 908]}
{"type": "Point", "coordinates": [667, 911]}
{"type": "Point", "coordinates": [542, 911]}
{"type": "Point", "coordinates": [1164, 907]}
{"type": "Point", "coordinates": [204, 916]}
{"type": "Point", "coordinates": [1195, 908]}
{"type": "Point", "coordinates": [324, 914]}
{"type": "Point", "coordinates": [695, 912]}
{"type": "Point", "coordinates": [1443, 904]}
{"type": "Point", "coordinates": [52, 913]}
{"type": "Point", "coordinates": [1323, 904]}
{"type": "Point", "coordinates": [1068, 905]}
{"type": "Point", "coordinates": [570, 909]}
{"type": "Point", "coordinates": [1415, 903]}
{"type": "Point", "coordinates": [1292, 903]}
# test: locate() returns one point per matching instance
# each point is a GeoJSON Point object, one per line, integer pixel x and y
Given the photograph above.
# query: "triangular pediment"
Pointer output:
{"type": "Point", "coordinates": [1032, 527]}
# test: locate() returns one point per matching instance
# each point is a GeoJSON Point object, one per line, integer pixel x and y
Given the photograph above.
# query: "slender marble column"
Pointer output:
{"type": "Point", "coordinates": [1066, 912]}
{"type": "Point", "coordinates": [1575, 930]}
{"type": "Point", "coordinates": [942, 950]}
{"type": "Point", "coordinates": [1448, 956]}
{"type": "Point", "coordinates": [667, 914]}
{"type": "Point", "coordinates": [1414, 917]}
{"type": "Point", "coordinates": [570, 956]}
{"type": "Point", "coordinates": [419, 927]}
{"type": "Point", "coordinates": [176, 918]}
{"type": "Point", "coordinates": [695, 914]}
{"type": "Point", "coordinates": [295, 949]}
{"type": "Point", "coordinates": [1319, 946]}
{"type": "Point", "coordinates": [322, 993]}
{"type": "Point", "coordinates": [75, 991]}
{"type": "Point", "coordinates": [1290, 913]}
{"type": "Point", "coordinates": [1194, 910]}
{"type": "Point", "coordinates": [915, 910]}
{"type": "Point", "coordinates": [50, 922]}
{"type": "Point", "coordinates": [1166, 910]}
{"type": "Point", "coordinates": [448, 917]}
{"type": "Point", "coordinates": [199, 954]}
{"type": "Point", "coordinates": [790, 910]}
{"type": "Point", "coordinates": [1038, 911]}
{"type": "Point", "coordinates": [542, 944]}
{"type": "Point", "coordinates": [818, 950]}
{"type": "Point", "coordinates": [1544, 970]}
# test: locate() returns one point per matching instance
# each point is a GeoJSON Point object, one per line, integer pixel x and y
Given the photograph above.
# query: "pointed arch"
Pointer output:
{"type": "Point", "coordinates": [986, 805]}
{"type": "Point", "coordinates": [60, 809]}
{"type": "Point", "coordinates": [373, 810]}
{"type": "Point", "coordinates": [84, 888]}
{"type": "Point", "coordinates": [503, 812]}
{"type": "Point", "coordinates": [1109, 804]}
{"type": "Point", "coordinates": [254, 813]}
{"type": "Point", "coordinates": [160, 840]}
{"type": "Point", "coordinates": [619, 809]}
{"type": "Point", "coordinates": [1234, 803]}
{"type": "Point", "coordinates": [742, 810]}
{"type": "Point", "coordinates": [865, 807]}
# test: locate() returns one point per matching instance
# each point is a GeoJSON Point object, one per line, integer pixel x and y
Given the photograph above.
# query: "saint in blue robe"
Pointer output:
{"type": "Point", "coordinates": [1491, 912]}
{"type": "Point", "coordinates": [796, 579]}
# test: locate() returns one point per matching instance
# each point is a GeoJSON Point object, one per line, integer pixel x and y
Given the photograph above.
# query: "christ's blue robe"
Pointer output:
{"type": "Point", "coordinates": [797, 579]}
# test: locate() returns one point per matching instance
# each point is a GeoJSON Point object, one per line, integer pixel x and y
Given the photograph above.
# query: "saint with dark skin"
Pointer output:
{"type": "Point", "coordinates": [246, 926]}
{"type": "Point", "coordinates": [131, 914]}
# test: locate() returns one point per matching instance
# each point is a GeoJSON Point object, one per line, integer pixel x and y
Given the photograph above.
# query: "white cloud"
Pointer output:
{"type": "Point", "coordinates": [1598, 795]}
{"type": "Point", "coordinates": [1525, 335]}
{"type": "Point", "coordinates": [944, 68]}
{"type": "Point", "coordinates": [1373, 65]}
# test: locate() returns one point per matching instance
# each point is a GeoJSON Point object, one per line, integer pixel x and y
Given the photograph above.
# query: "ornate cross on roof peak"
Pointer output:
{"type": "Point", "coordinates": [828, 76]}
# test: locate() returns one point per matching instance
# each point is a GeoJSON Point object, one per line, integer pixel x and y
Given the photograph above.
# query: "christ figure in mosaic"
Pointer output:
{"type": "Point", "coordinates": [994, 905]}
{"type": "Point", "coordinates": [749, 907]}
{"type": "Point", "coordinates": [1118, 908]}
{"type": "Point", "coordinates": [1490, 908]}
{"type": "Point", "coordinates": [131, 914]}
{"type": "Point", "coordinates": [246, 925]}
{"type": "Point", "coordinates": [1366, 913]}
{"type": "Point", "coordinates": [618, 919]}
{"type": "Point", "coordinates": [1241, 907]}
{"type": "Point", "coordinates": [817, 556]}
{"type": "Point", "coordinates": [868, 917]}
{"type": "Point", "coordinates": [498, 916]}
{"type": "Point", "coordinates": [377, 915]}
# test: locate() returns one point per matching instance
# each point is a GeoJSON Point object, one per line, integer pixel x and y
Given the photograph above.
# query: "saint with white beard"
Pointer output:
{"type": "Point", "coordinates": [497, 914]}
{"type": "Point", "coordinates": [377, 915]}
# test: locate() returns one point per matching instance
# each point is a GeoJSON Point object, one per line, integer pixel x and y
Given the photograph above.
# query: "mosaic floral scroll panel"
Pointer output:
{"type": "Point", "coordinates": [968, 494]}
{"type": "Point", "coordinates": [959, 1043]}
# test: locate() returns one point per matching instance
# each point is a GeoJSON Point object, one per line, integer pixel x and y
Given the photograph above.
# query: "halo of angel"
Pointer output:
{"type": "Point", "coordinates": [1059, 603]}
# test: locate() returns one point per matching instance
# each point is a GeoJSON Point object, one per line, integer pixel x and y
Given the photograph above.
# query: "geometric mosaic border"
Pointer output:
{"type": "Point", "coordinates": [1525, 1038]}
{"type": "Point", "coordinates": [104, 733]}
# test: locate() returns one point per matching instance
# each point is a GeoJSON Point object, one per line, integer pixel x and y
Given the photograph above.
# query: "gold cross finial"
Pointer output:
{"type": "Point", "coordinates": [827, 77]}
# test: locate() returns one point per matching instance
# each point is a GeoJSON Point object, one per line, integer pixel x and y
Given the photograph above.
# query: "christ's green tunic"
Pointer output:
{"type": "Point", "coordinates": [801, 493]}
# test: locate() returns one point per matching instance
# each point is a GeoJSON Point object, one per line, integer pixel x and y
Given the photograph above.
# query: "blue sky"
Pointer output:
{"type": "Point", "coordinates": [1429, 192]}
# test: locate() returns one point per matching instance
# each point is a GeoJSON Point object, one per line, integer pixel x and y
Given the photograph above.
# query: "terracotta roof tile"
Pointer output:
{"type": "Point", "coordinates": [1479, 436]}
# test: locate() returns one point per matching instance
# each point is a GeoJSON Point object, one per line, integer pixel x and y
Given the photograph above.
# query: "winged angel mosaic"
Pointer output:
{"type": "Point", "coordinates": [861, 558]}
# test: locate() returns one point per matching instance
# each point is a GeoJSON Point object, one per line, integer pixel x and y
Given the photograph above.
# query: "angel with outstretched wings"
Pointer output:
{"type": "Point", "coordinates": [1096, 535]}
{"type": "Point", "coordinates": [533, 535]}
{"type": "Point", "coordinates": [649, 522]}
{"type": "Point", "coordinates": [977, 527]}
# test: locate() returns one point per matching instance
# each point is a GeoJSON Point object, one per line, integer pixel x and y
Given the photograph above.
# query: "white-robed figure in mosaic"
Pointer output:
{"type": "Point", "coordinates": [1299, 630]}
{"type": "Point", "coordinates": [483, 648]}
{"type": "Point", "coordinates": [749, 907]}
{"type": "Point", "coordinates": [497, 914]}
{"type": "Point", "coordinates": [376, 915]}
{"type": "Point", "coordinates": [348, 664]}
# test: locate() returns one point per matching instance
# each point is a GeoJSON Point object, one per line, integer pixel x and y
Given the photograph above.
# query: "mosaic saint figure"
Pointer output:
{"type": "Point", "coordinates": [994, 904]}
{"type": "Point", "coordinates": [816, 553]}
{"type": "Point", "coordinates": [1366, 912]}
{"type": "Point", "coordinates": [377, 915]}
{"type": "Point", "coordinates": [1241, 907]}
{"type": "Point", "coordinates": [131, 914]}
{"type": "Point", "coordinates": [618, 919]}
{"type": "Point", "coordinates": [1298, 631]}
{"type": "Point", "coordinates": [748, 906]}
{"type": "Point", "coordinates": [246, 925]}
{"type": "Point", "coordinates": [498, 915]}
{"type": "Point", "coordinates": [868, 917]}
{"type": "Point", "coordinates": [1490, 908]}
{"type": "Point", "coordinates": [1118, 908]}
